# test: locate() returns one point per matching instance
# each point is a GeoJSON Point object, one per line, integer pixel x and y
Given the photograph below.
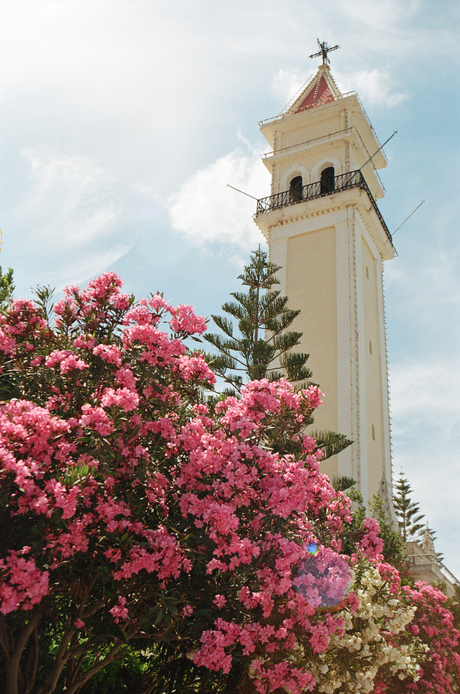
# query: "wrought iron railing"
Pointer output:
{"type": "Point", "coordinates": [353, 179]}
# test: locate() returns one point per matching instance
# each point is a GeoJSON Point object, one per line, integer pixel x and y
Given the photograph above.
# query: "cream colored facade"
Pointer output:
{"type": "Point", "coordinates": [331, 242]}
{"type": "Point", "coordinates": [424, 565]}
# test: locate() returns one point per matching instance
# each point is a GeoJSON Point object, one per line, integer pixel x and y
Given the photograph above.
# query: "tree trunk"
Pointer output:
{"type": "Point", "coordinates": [13, 661]}
{"type": "Point", "coordinates": [247, 686]}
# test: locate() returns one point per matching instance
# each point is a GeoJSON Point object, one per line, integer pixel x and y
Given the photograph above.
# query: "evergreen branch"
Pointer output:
{"type": "Point", "coordinates": [330, 442]}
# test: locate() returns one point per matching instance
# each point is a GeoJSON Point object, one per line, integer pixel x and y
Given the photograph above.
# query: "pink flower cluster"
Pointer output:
{"type": "Point", "coordinates": [135, 484]}
{"type": "Point", "coordinates": [185, 322]}
{"type": "Point", "coordinates": [282, 676]}
{"type": "Point", "coordinates": [25, 586]}
{"type": "Point", "coordinates": [120, 611]}
{"type": "Point", "coordinates": [101, 295]}
{"type": "Point", "coordinates": [66, 360]}
{"type": "Point", "coordinates": [440, 672]}
{"type": "Point", "coordinates": [371, 544]}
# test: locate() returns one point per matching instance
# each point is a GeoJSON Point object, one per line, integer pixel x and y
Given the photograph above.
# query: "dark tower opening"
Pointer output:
{"type": "Point", "coordinates": [295, 189]}
{"type": "Point", "coordinates": [327, 180]}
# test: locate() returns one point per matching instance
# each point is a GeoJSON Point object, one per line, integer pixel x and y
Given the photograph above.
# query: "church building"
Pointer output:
{"type": "Point", "coordinates": [324, 228]}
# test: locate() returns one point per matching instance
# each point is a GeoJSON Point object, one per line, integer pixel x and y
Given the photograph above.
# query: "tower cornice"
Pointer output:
{"type": "Point", "coordinates": [306, 120]}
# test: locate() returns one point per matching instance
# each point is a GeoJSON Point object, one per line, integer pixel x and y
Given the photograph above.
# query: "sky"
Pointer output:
{"type": "Point", "coordinates": [123, 121]}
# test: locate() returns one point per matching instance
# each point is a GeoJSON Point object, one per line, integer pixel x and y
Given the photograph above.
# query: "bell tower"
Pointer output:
{"type": "Point", "coordinates": [324, 229]}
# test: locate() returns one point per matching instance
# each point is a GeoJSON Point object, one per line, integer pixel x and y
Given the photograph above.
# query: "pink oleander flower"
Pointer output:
{"type": "Point", "coordinates": [120, 397]}
{"type": "Point", "coordinates": [63, 498]}
{"type": "Point", "coordinates": [314, 396]}
{"type": "Point", "coordinates": [309, 443]}
{"type": "Point", "coordinates": [157, 303]}
{"type": "Point", "coordinates": [23, 584]}
{"type": "Point", "coordinates": [125, 378]}
{"type": "Point", "coordinates": [110, 353]}
{"type": "Point", "coordinates": [185, 321]}
{"type": "Point", "coordinates": [7, 343]}
{"type": "Point", "coordinates": [195, 368]}
{"type": "Point", "coordinates": [95, 418]}
{"type": "Point", "coordinates": [371, 544]}
{"type": "Point", "coordinates": [66, 360]}
{"type": "Point", "coordinates": [119, 611]}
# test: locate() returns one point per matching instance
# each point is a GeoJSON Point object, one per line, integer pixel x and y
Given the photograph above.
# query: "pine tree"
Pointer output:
{"type": "Point", "coordinates": [262, 345]}
{"type": "Point", "coordinates": [342, 483]}
{"type": "Point", "coordinates": [407, 511]}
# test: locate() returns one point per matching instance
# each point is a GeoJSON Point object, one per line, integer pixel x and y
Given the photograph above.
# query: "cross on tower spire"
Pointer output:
{"type": "Point", "coordinates": [324, 50]}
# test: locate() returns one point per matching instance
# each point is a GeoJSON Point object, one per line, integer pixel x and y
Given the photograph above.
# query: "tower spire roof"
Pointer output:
{"type": "Point", "coordinates": [320, 90]}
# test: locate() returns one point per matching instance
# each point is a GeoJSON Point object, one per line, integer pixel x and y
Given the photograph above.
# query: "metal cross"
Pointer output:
{"type": "Point", "coordinates": [324, 50]}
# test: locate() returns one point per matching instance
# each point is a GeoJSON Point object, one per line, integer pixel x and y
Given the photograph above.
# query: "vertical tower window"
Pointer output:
{"type": "Point", "coordinates": [295, 189]}
{"type": "Point", "coordinates": [373, 432]}
{"type": "Point", "coordinates": [367, 272]}
{"type": "Point", "coordinates": [370, 346]}
{"type": "Point", "coordinates": [327, 180]}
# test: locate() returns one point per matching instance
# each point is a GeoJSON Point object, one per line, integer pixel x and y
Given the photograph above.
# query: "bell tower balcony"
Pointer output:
{"type": "Point", "coordinates": [326, 186]}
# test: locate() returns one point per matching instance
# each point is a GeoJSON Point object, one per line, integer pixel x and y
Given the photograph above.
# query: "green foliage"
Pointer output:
{"type": "Point", "coordinates": [407, 511]}
{"type": "Point", "coordinates": [330, 442]}
{"type": "Point", "coordinates": [354, 531]}
{"type": "Point", "coordinates": [342, 483]}
{"type": "Point", "coordinates": [262, 347]}
{"type": "Point", "coordinates": [393, 543]}
{"type": "Point", "coordinates": [6, 289]}
{"type": "Point", "coordinates": [121, 676]}
{"type": "Point", "coordinates": [172, 671]}
{"type": "Point", "coordinates": [44, 300]}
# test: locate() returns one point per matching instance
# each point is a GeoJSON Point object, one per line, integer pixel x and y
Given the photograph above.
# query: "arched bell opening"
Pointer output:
{"type": "Point", "coordinates": [295, 189]}
{"type": "Point", "coordinates": [327, 180]}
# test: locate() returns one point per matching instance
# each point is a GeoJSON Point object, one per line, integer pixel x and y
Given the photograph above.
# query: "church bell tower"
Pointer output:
{"type": "Point", "coordinates": [324, 228]}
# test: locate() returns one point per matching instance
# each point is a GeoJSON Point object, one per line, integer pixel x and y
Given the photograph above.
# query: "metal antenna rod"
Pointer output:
{"type": "Point", "coordinates": [408, 217]}
{"type": "Point", "coordinates": [366, 162]}
{"type": "Point", "coordinates": [241, 191]}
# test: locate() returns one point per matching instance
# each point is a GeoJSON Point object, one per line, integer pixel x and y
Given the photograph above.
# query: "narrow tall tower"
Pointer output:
{"type": "Point", "coordinates": [324, 229]}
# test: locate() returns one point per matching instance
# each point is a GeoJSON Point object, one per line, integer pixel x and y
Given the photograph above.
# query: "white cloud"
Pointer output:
{"type": "Point", "coordinates": [67, 225]}
{"type": "Point", "coordinates": [427, 391]}
{"type": "Point", "coordinates": [375, 87]}
{"type": "Point", "coordinates": [205, 209]}
{"type": "Point", "coordinates": [71, 184]}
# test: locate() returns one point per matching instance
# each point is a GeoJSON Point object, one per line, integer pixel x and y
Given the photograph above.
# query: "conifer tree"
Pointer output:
{"type": "Point", "coordinates": [261, 347]}
{"type": "Point", "coordinates": [264, 343]}
{"type": "Point", "coordinates": [407, 511]}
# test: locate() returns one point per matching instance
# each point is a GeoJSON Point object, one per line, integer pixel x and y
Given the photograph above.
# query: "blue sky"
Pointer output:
{"type": "Point", "coordinates": [122, 122]}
